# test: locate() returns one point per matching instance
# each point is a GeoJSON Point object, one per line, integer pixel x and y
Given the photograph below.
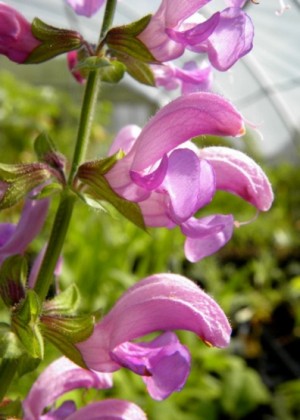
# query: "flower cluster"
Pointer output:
{"type": "Point", "coordinates": [172, 179]}
{"type": "Point", "coordinates": [156, 175]}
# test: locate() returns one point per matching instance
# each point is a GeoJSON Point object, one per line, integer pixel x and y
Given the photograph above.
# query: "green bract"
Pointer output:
{"type": "Point", "coordinates": [91, 174]}
{"type": "Point", "coordinates": [54, 41]}
{"type": "Point", "coordinates": [16, 181]}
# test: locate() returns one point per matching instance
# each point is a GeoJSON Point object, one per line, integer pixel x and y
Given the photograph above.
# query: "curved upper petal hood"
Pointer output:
{"type": "Point", "coordinates": [182, 119]}
{"type": "Point", "coordinates": [58, 378]}
{"type": "Point", "coordinates": [159, 302]}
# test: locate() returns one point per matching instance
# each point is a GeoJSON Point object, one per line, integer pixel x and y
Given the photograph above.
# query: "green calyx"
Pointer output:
{"type": "Point", "coordinates": [13, 275]}
{"type": "Point", "coordinates": [63, 327]}
{"type": "Point", "coordinates": [16, 181]}
{"type": "Point", "coordinates": [54, 41]}
{"type": "Point", "coordinates": [96, 187]}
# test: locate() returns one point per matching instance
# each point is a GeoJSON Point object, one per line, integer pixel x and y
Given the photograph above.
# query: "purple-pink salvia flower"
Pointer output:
{"type": "Point", "coordinates": [16, 39]}
{"type": "Point", "coordinates": [226, 36]}
{"type": "Point", "coordinates": [230, 38]}
{"type": "Point", "coordinates": [191, 78]}
{"type": "Point", "coordinates": [85, 7]}
{"type": "Point", "coordinates": [62, 376]}
{"type": "Point", "coordinates": [72, 61]}
{"type": "Point", "coordinates": [14, 239]}
{"type": "Point", "coordinates": [162, 302]}
{"type": "Point", "coordinates": [171, 179]}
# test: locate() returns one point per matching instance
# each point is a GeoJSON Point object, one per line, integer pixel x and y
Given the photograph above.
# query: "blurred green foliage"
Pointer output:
{"type": "Point", "coordinates": [255, 278]}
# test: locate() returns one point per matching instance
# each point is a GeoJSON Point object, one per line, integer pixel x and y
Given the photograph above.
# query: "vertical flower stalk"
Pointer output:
{"type": "Point", "coordinates": [65, 209]}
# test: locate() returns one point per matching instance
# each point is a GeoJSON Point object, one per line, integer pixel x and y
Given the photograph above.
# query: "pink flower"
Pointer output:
{"type": "Point", "coordinates": [171, 179]}
{"type": "Point", "coordinates": [85, 7]}
{"type": "Point", "coordinates": [191, 78]}
{"type": "Point", "coordinates": [226, 36]}
{"type": "Point", "coordinates": [162, 302]}
{"type": "Point", "coordinates": [72, 60]}
{"type": "Point", "coordinates": [14, 239]}
{"type": "Point", "coordinates": [63, 376]}
{"type": "Point", "coordinates": [16, 39]}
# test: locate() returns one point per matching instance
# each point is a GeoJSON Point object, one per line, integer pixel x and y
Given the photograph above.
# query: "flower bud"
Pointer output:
{"type": "Point", "coordinates": [16, 38]}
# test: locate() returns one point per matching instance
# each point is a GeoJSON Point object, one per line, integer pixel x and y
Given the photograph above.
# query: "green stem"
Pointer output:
{"type": "Point", "coordinates": [55, 244]}
{"type": "Point", "coordinates": [65, 208]}
{"type": "Point", "coordinates": [8, 370]}
{"type": "Point", "coordinates": [86, 119]}
{"type": "Point", "coordinates": [66, 205]}
{"type": "Point", "coordinates": [108, 17]}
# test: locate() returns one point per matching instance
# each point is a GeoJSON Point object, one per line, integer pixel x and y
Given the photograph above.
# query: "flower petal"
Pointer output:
{"type": "Point", "coordinates": [31, 222]}
{"type": "Point", "coordinates": [120, 180]}
{"type": "Point", "coordinates": [197, 34]}
{"type": "Point", "coordinates": [6, 232]}
{"type": "Point", "coordinates": [169, 15]}
{"type": "Point", "coordinates": [184, 118]}
{"type": "Point", "coordinates": [85, 7]}
{"type": "Point", "coordinates": [110, 409]}
{"type": "Point", "coordinates": [206, 236]}
{"type": "Point", "coordinates": [160, 302]}
{"type": "Point", "coordinates": [231, 40]}
{"type": "Point", "coordinates": [63, 412]}
{"type": "Point", "coordinates": [239, 174]}
{"type": "Point", "coordinates": [16, 38]}
{"type": "Point", "coordinates": [154, 179]}
{"type": "Point", "coordinates": [58, 378]}
{"type": "Point", "coordinates": [154, 211]}
{"type": "Point", "coordinates": [125, 139]}
{"type": "Point", "coordinates": [164, 363]}
{"type": "Point", "coordinates": [189, 182]}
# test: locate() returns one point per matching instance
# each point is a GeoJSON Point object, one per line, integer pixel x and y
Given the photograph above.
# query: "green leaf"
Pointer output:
{"type": "Point", "coordinates": [13, 275]}
{"type": "Point", "coordinates": [54, 41]}
{"type": "Point", "coordinates": [65, 303]}
{"type": "Point", "coordinates": [25, 324]}
{"type": "Point", "coordinates": [92, 174]}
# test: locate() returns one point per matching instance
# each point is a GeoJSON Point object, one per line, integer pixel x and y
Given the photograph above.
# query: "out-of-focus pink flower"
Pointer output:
{"type": "Point", "coordinates": [191, 78]}
{"type": "Point", "coordinates": [63, 376]}
{"type": "Point", "coordinates": [85, 7]}
{"type": "Point", "coordinates": [226, 36]}
{"type": "Point", "coordinates": [171, 179]}
{"type": "Point", "coordinates": [14, 239]}
{"type": "Point", "coordinates": [162, 302]}
{"type": "Point", "coordinates": [16, 38]}
{"type": "Point", "coordinates": [72, 60]}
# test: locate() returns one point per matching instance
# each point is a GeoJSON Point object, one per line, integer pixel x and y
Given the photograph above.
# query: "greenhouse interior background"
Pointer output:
{"type": "Point", "coordinates": [255, 278]}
